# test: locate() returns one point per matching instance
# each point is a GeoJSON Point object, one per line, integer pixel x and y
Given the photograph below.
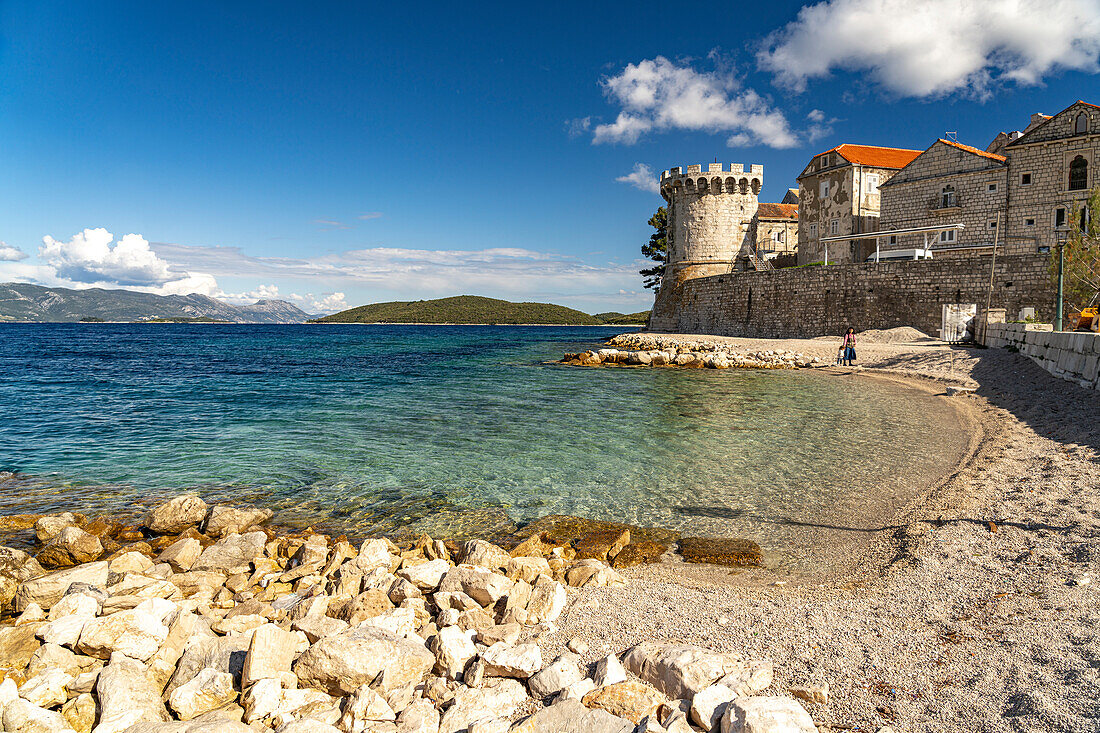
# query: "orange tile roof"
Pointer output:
{"type": "Point", "coordinates": [777, 211]}
{"type": "Point", "coordinates": [875, 156]}
{"type": "Point", "coordinates": [975, 151]}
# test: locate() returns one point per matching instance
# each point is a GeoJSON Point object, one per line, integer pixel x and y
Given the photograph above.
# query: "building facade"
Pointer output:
{"type": "Point", "coordinates": [775, 230]}
{"type": "Point", "coordinates": [1034, 187]}
{"type": "Point", "coordinates": [949, 183]}
{"type": "Point", "coordinates": [1051, 169]}
{"type": "Point", "coordinates": [838, 194]}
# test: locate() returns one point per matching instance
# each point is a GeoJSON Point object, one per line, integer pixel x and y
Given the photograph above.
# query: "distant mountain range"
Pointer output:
{"type": "Point", "coordinates": [476, 310]}
{"type": "Point", "coordinates": [21, 302]}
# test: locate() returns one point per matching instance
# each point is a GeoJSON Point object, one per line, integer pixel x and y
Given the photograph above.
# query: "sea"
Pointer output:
{"type": "Point", "coordinates": [455, 430]}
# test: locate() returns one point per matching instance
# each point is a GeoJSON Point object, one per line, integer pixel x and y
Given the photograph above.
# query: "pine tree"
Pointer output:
{"type": "Point", "coordinates": [1082, 256]}
{"type": "Point", "coordinates": [656, 248]}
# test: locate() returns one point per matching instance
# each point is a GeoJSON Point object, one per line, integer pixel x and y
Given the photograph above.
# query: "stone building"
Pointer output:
{"type": "Point", "coordinates": [1051, 168]}
{"type": "Point", "coordinates": [838, 193]}
{"type": "Point", "coordinates": [775, 231]}
{"type": "Point", "coordinates": [1034, 186]}
{"type": "Point", "coordinates": [949, 183]}
{"type": "Point", "coordinates": [709, 217]}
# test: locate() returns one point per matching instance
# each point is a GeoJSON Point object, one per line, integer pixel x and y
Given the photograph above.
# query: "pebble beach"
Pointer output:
{"type": "Point", "coordinates": [972, 609]}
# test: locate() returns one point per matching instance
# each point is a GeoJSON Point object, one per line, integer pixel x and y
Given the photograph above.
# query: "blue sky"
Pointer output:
{"type": "Point", "coordinates": [344, 153]}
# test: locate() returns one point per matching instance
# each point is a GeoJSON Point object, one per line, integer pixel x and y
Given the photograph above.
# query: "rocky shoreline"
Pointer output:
{"type": "Point", "coordinates": [648, 349]}
{"type": "Point", "coordinates": [200, 618]}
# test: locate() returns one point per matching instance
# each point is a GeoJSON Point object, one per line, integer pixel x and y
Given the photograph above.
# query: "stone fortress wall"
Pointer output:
{"type": "Point", "coordinates": [709, 217]}
{"type": "Point", "coordinates": [814, 301]}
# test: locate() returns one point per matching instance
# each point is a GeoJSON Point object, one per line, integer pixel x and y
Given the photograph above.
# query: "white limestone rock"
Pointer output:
{"type": "Point", "coordinates": [679, 671]}
{"type": "Point", "coordinates": [709, 705]}
{"type": "Point", "coordinates": [481, 584]}
{"type": "Point", "coordinates": [341, 663]}
{"type": "Point", "coordinates": [609, 671]}
{"type": "Point", "coordinates": [419, 717]}
{"type": "Point", "coordinates": [21, 716]}
{"type": "Point", "coordinates": [498, 698]}
{"type": "Point", "coordinates": [485, 554]}
{"type": "Point", "coordinates": [47, 590]}
{"type": "Point", "coordinates": [556, 676]}
{"type": "Point", "coordinates": [453, 648]}
{"type": "Point", "coordinates": [208, 690]}
{"type": "Point", "coordinates": [129, 562]}
{"type": "Point", "coordinates": [270, 653]}
{"type": "Point", "coordinates": [767, 715]}
{"type": "Point", "coordinates": [505, 660]}
{"type": "Point", "coordinates": [46, 689]}
{"type": "Point", "coordinates": [548, 598]}
{"type": "Point", "coordinates": [181, 554]}
{"type": "Point", "coordinates": [224, 519]}
{"type": "Point", "coordinates": [528, 568]}
{"type": "Point", "coordinates": [363, 707]}
{"type": "Point", "coordinates": [127, 695]}
{"type": "Point", "coordinates": [570, 716]}
{"type": "Point", "coordinates": [136, 633]}
{"type": "Point", "coordinates": [426, 576]}
{"type": "Point", "coordinates": [232, 554]}
{"type": "Point", "coordinates": [176, 515]}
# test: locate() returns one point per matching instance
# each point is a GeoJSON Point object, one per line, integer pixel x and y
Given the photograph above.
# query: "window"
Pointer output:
{"type": "Point", "coordinates": [813, 230]}
{"type": "Point", "coordinates": [1083, 223]}
{"type": "Point", "coordinates": [1078, 174]}
{"type": "Point", "coordinates": [1060, 218]}
{"type": "Point", "coordinates": [947, 197]}
{"type": "Point", "coordinates": [991, 187]}
{"type": "Point", "coordinates": [834, 226]}
{"type": "Point", "coordinates": [872, 183]}
{"type": "Point", "coordinates": [1029, 222]}
{"type": "Point", "coordinates": [947, 236]}
{"type": "Point", "coordinates": [1081, 124]}
{"type": "Point", "coordinates": [824, 189]}
{"type": "Point", "coordinates": [992, 225]}
{"type": "Point", "coordinates": [777, 236]}
{"type": "Point", "coordinates": [892, 240]}
{"type": "Point", "coordinates": [1025, 179]}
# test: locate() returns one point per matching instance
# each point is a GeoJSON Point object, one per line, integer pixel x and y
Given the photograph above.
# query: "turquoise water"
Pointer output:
{"type": "Point", "coordinates": [453, 429]}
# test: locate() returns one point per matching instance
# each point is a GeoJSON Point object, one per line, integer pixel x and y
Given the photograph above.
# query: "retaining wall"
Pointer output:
{"type": "Point", "coordinates": [1071, 355]}
{"type": "Point", "coordinates": [816, 301]}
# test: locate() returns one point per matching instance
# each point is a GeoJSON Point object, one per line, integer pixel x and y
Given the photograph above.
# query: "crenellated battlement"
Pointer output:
{"type": "Point", "coordinates": [695, 170]}
{"type": "Point", "coordinates": [728, 178]}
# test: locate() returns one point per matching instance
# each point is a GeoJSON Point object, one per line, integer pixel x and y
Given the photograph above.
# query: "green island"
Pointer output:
{"type": "Point", "coordinates": [477, 310]}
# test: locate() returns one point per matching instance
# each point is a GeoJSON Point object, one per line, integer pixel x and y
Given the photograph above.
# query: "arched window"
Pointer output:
{"type": "Point", "coordinates": [947, 197]}
{"type": "Point", "coordinates": [1078, 174]}
{"type": "Point", "coordinates": [1081, 124]}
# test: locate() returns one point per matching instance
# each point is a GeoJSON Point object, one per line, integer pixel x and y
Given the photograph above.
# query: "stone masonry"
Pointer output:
{"type": "Point", "coordinates": [709, 217]}
{"type": "Point", "coordinates": [816, 301]}
{"type": "Point", "coordinates": [948, 183]}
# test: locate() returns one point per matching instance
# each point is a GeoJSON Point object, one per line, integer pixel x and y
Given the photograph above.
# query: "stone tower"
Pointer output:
{"type": "Point", "coordinates": [709, 218]}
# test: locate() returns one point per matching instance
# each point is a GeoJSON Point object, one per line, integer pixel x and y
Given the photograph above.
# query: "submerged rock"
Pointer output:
{"type": "Point", "coordinates": [727, 551]}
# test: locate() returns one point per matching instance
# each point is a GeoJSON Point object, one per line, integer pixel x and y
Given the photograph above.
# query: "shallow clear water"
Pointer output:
{"type": "Point", "coordinates": [451, 429]}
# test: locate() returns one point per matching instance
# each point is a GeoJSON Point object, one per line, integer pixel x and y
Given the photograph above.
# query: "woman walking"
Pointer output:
{"type": "Point", "coordinates": [849, 347]}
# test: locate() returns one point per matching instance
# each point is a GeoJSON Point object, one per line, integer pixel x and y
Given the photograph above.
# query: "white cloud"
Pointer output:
{"type": "Point", "coordinates": [330, 224]}
{"type": "Point", "coordinates": [510, 272]}
{"type": "Point", "coordinates": [371, 215]}
{"type": "Point", "coordinates": [330, 303]}
{"type": "Point", "coordinates": [642, 177]}
{"type": "Point", "coordinates": [579, 126]}
{"type": "Point", "coordinates": [89, 257]}
{"type": "Point", "coordinates": [658, 95]}
{"type": "Point", "coordinates": [924, 48]}
{"type": "Point", "coordinates": [93, 259]}
{"type": "Point", "coordinates": [11, 254]}
{"type": "Point", "coordinates": [263, 292]}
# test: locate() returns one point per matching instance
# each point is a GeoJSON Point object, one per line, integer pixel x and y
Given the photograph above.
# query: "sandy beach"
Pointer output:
{"type": "Point", "coordinates": [972, 611]}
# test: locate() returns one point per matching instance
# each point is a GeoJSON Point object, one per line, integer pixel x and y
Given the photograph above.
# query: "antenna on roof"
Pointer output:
{"type": "Point", "coordinates": [952, 136]}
